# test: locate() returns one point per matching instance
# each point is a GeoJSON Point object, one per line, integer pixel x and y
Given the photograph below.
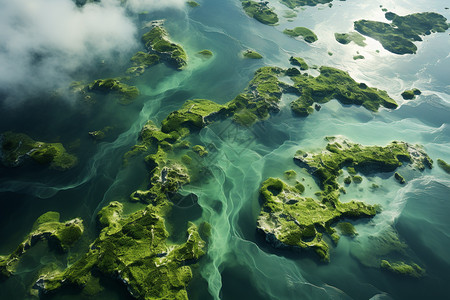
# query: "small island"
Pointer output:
{"type": "Point", "coordinates": [17, 147]}
{"type": "Point", "coordinates": [346, 38]}
{"type": "Point", "coordinates": [298, 61]}
{"type": "Point", "coordinates": [411, 94]}
{"type": "Point", "coordinates": [443, 165]}
{"type": "Point", "coordinates": [192, 4]}
{"type": "Point", "coordinates": [260, 11]}
{"type": "Point", "coordinates": [205, 53]}
{"type": "Point", "coordinates": [297, 3]}
{"type": "Point", "coordinates": [398, 36]}
{"type": "Point", "coordinates": [307, 34]}
{"type": "Point", "coordinates": [252, 54]}
{"type": "Point", "coordinates": [157, 42]}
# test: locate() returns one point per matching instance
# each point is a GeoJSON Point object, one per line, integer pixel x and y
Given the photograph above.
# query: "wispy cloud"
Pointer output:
{"type": "Point", "coordinates": [44, 41]}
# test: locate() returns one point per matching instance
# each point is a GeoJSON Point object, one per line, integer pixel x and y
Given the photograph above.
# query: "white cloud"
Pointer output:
{"type": "Point", "coordinates": [44, 41]}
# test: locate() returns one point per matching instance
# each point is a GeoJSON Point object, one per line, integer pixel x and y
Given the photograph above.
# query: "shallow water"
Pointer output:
{"type": "Point", "coordinates": [239, 263]}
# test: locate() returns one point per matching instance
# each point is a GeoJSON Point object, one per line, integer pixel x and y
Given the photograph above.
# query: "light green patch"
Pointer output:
{"type": "Point", "coordinates": [252, 54]}
{"type": "Point", "coordinates": [346, 38]}
{"type": "Point", "coordinates": [307, 34]}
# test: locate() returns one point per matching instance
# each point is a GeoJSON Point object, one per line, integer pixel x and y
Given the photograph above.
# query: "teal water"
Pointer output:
{"type": "Point", "coordinates": [239, 264]}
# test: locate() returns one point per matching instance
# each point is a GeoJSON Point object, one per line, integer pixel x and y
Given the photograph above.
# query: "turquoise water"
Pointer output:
{"type": "Point", "coordinates": [239, 264]}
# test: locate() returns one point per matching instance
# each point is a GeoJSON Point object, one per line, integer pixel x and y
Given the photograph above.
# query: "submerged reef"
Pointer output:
{"type": "Point", "coordinates": [60, 236]}
{"type": "Point", "coordinates": [157, 42]}
{"type": "Point", "coordinates": [411, 94]}
{"type": "Point", "coordinates": [336, 84]}
{"type": "Point", "coordinates": [133, 249]}
{"type": "Point", "coordinates": [17, 147]}
{"type": "Point", "coordinates": [291, 221]}
{"type": "Point", "coordinates": [346, 38]}
{"type": "Point", "coordinates": [296, 3]}
{"type": "Point", "coordinates": [260, 12]}
{"type": "Point", "coordinates": [307, 34]}
{"type": "Point", "coordinates": [398, 36]}
{"type": "Point", "coordinates": [385, 250]}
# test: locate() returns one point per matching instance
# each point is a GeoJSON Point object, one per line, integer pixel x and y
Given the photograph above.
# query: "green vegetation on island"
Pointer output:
{"type": "Point", "coordinates": [60, 236]}
{"type": "Point", "coordinates": [296, 3]}
{"type": "Point", "coordinates": [291, 221]}
{"type": "Point", "coordinates": [260, 12]}
{"type": "Point", "coordinates": [206, 53]}
{"type": "Point", "coordinates": [359, 56]}
{"type": "Point", "coordinates": [443, 165]}
{"type": "Point", "coordinates": [336, 84]}
{"type": "Point", "coordinates": [346, 38]}
{"type": "Point", "coordinates": [156, 41]}
{"type": "Point", "coordinates": [16, 147]}
{"type": "Point", "coordinates": [307, 34]}
{"type": "Point", "coordinates": [192, 4]}
{"type": "Point", "coordinates": [298, 61]}
{"type": "Point", "coordinates": [399, 178]}
{"type": "Point", "coordinates": [398, 36]}
{"type": "Point", "coordinates": [126, 92]}
{"type": "Point", "coordinates": [134, 250]}
{"type": "Point", "coordinates": [402, 268]}
{"type": "Point", "coordinates": [252, 54]}
{"type": "Point", "coordinates": [141, 61]}
{"type": "Point", "coordinates": [411, 94]}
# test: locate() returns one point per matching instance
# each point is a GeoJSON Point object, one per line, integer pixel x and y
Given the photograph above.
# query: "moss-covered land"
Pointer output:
{"type": "Point", "coordinates": [443, 165]}
{"type": "Point", "coordinates": [206, 53]}
{"type": "Point", "coordinates": [133, 249]}
{"type": "Point", "coordinates": [127, 93]}
{"type": "Point", "coordinates": [141, 61]}
{"type": "Point", "coordinates": [298, 61]}
{"type": "Point", "coordinates": [306, 33]}
{"type": "Point", "coordinates": [402, 268]}
{"type": "Point", "coordinates": [291, 221]}
{"type": "Point", "coordinates": [411, 94]}
{"type": "Point", "coordinates": [17, 147]}
{"type": "Point", "coordinates": [260, 12]}
{"type": "Point", "coordinates": [60, 236]}
{"type": "Point", "coordinates": [399, 35]}
{"type": "Point", "coordinates": [346, 38]}
{"type": "Point", "coordinates": [261, 97]}
{"type": "Point", "coordinates": [157, 42]}
{"type": "Point", "coordinates": [252, 54]}
{"type": "Point", "coordinates": [297, 3]}
{"type": "Point", "coordinates": [356, 57]}
{"type": "Point", "coordinates": [336, 84]}
{"type": "Point", "coordinates": [192, 4]}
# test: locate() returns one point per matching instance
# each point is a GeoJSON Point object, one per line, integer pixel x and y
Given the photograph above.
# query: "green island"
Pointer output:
{"type": "Point", "coordinates": [192, 4]}
{"type": "Point", "coordinates": [359, 56]}
{"type": "Point", "coordinates": [205, 53]}
{"type": "Point", "coordinates": [443, 165]}
{"type": "Point", "coordinates": [298, 61]}
{"type": "Point", "coordinates": [60, 236]}
{"type": "Point", "coordinates": [98, 135]}
{"type": "Point", "coordinates": [291, 221]}
{"type": "Point", "coordinates": [402, 268]}
{"type": "Point", "coordinates": [336, 84]}
{"type": "Point", "coordinates": [260, 12]}
{"type": "Point", "coordinates": [133, 250]}
{"type": "Point", "coordinates": [307, 34]}
{"type": "Point", "coordinates": [127, 93]}
{"type": "Point", "coordinates": [156, 41]}
{"type": "Point", "coordinates": [17, 147]}
{"type": "Point", "coordinates": [346, 38]}
{"type": "Point", "coordinates": [398, 36]}
{"type": "Point", "coordinates": [296, 3]}
{"type": "Point", "coordinates": [411, 94]}
{"type": "Point", "coordinates": [142, 61]}
{"type": "Point", "coordinates": [252, 54]}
